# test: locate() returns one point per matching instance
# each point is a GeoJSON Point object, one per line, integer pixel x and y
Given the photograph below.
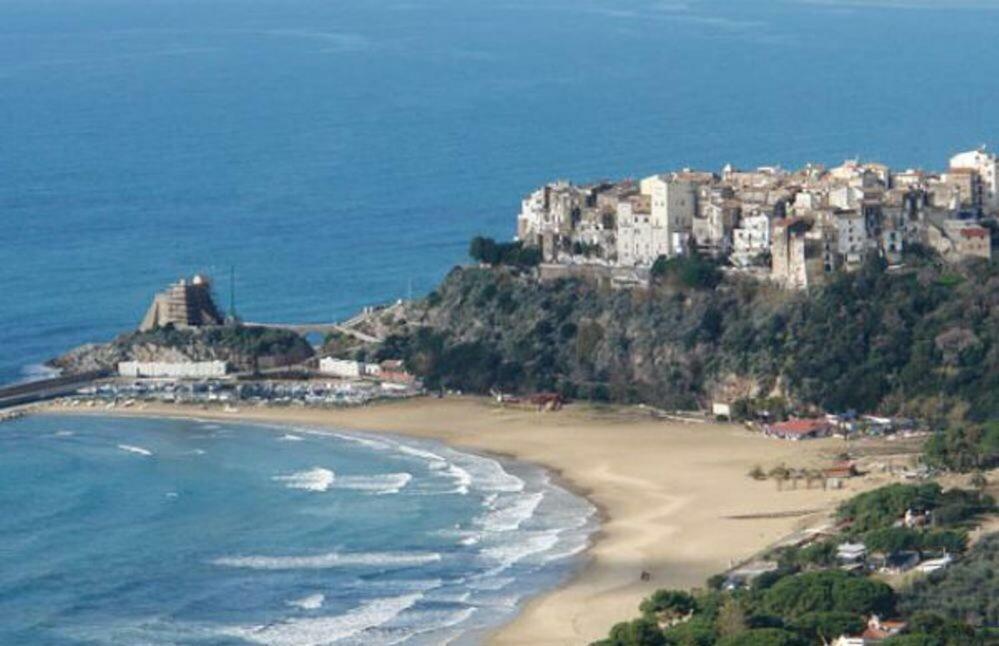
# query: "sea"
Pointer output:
{"type": "Point", "coordinates": [333, 154]}
{"type": "Point", "coordinates": [173, 531]}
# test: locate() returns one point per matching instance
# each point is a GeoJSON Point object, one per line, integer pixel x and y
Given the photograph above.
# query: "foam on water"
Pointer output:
{"type": "Point", "coordinates": [288, 437]}
{"type": "Point", "coordinates": [320, 479]}
{"type": "Point", "coordinates": [317, 479]}
{"type": "Point", "coordinates": [329, 560]}
{"type": "Point", "coordinates": [310, 602]}
{"type": "Point", "coordinates": [326, 630]}
{"type": "Point", "coordinates": [138, 450]}
{"type": "Point", "coordinates": [386, 483]}
{"type": "Point", "coordinates": [510, 513]}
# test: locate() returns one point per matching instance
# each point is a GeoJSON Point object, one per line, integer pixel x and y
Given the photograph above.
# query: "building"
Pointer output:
{"type": "Point", "coordinates": [986, 166]}
{"type": "Point", "coordinates": [960, 239]}
{"type": "Point", "coordinates": [343, 368]}
{"type": "Point", "coordinates": [751, 239]}
{"type": "Point", "coordinates": [879, 630]}
{"type": "Point", "coordinates": [852, 242]}
{"type": "Point", "coordinates": [173, 370]}
{"type": "Point", "coordinates": [673, 205]}
{"type": "Point", "coordinates": [799, 429]}
{"type": "Point", "coordinates": [184, 304]}
{"type": "Point", "coordinates": [634, 232]}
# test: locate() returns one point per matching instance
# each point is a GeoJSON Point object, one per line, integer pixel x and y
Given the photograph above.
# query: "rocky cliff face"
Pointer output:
{"type": "Point", "coordinates": [243, 348]}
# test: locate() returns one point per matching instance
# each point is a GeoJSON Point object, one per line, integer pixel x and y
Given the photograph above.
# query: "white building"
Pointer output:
{"type": "Point", "coordinates": [180, 370]}
{"type": "Point", "coordinates": [344, 368]}
{"type": "Point", "coordinates": [750, 238]}
{"type": "Point", "coordinates": [634, 235]}
{"type": "Point", "coordinates": [987, 167]}
{"type": "Point", "coordinates": [674, 203]}
{"type": "Point", "coordinates": [852, 241]}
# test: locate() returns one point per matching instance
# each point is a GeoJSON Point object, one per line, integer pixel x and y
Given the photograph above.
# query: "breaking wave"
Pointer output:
{"type": "Point", "coordinates": [325, 630]}
{"type": "Point", "coordinates": [330, 560]}
{"type": "Point", "coordinates": [138, 450]}
{"type": "Point", "coordinates": [317, 479]}
{"type": "Point", "coordinates": [310, 602]}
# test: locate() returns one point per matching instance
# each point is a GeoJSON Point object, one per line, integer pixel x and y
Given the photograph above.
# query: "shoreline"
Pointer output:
{"type": "Point", "coordinates": [665, 493]}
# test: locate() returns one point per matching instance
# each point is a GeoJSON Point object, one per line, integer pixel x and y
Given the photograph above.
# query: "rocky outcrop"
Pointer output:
{"type": "Point", "coordinates": [243, 348]}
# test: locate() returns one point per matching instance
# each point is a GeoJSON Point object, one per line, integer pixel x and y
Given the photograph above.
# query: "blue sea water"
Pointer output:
{"type": "Point", "coordinates": [136, 531]}
{"type": "Point", "coordinates": [338, 151]}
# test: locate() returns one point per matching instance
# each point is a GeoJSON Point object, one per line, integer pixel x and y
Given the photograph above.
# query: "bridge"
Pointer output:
{"type": "Point", "coordinates": [348, 327]}
{"type": "Point", "coordinates": [318, 328]}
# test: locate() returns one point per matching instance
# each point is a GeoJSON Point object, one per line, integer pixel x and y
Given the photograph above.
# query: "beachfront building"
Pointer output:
{"type": "Point", "coordinates": [173, 370]}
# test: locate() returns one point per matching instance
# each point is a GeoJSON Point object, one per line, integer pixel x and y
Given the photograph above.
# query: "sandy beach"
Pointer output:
{"type": "Point", "coordinates": [668, 492]}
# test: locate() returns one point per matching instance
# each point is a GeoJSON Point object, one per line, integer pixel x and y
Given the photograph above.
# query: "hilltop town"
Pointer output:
{"type": "Point", "coordinates": [794, 227]}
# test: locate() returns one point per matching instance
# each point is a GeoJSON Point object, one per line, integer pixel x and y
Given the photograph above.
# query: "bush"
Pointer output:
{"type": "Point", "coordinates": [488, 251]}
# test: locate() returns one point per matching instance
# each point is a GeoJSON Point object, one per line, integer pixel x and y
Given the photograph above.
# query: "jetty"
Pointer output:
{"type": "Point", "coordinates": [35, 391]}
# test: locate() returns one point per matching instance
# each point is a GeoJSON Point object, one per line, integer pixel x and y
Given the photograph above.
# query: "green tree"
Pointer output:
{"type": "Point", "coordinates": [731, 617]}
{"type": "Point", "coordinates": [763, 637]}
{"type": "Point", "coordinates": [824, 627]}
{"type": "Point", "coordinates": [668, 603]}
{"type": "Point", "coordinates": [828, 591]}
{"type": "Point", "coordinates": [639, 632]}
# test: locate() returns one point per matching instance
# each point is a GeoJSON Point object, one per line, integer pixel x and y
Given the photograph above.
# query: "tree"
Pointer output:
{"type": "Point", "coordinates": [668, 603]}
{"type": "Point", "coordinates": [763, 637]}
{"type": "Point", "coordinates": [824, 627]}
{"type": "Point", "coordinates": [731, 617]}
{"type": "Point", "coordinates": [891, 539]}
{"type": "Point", "coordinates": [828, 591]}
{"type": "Point", "coordinates": [639, 632]}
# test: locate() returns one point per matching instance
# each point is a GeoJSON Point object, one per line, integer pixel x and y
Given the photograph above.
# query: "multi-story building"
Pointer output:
{"type": "Point", "coordinates": [986, 165]}
{"type": "Point", "coordinates": [673, 204]}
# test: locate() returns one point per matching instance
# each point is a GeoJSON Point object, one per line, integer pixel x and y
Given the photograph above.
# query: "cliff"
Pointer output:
{"type": "Point", "coordinates": [923, 341]}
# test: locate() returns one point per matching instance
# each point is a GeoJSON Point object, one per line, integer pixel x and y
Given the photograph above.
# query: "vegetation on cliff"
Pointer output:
{"type": "Point", "coordinates": [922, 342]}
